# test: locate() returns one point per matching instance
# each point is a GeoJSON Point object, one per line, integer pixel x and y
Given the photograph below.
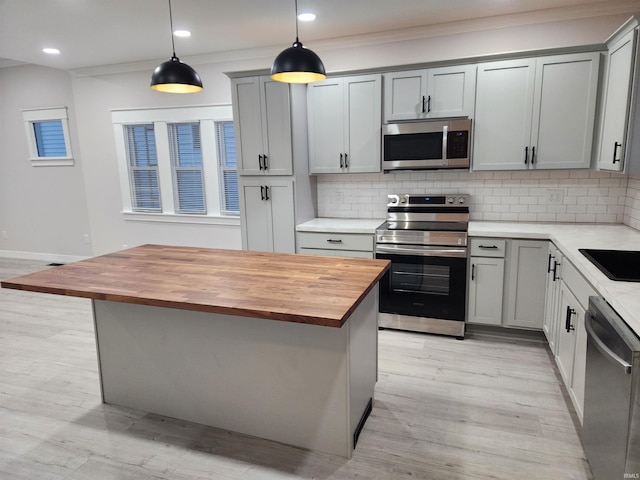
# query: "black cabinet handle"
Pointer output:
{"type": "Point", "coordinates": [346, 160]}
{"type": "Point", "coordinates": [265, 163]}
{"type": "Point", "coordinates": [549, 263]}
{"type": "Point", "coordinates": [567, 323]}
{"type": "Point", "coordinates": [260, 162]}
{"type": "Point", "coordinates": [266, 192]}
{"type": "Point", "coordinates": [429, 104]}
{"type": "Point", "coordinates": [526, 155]}
{"type": "Point", "coordinates": [488, 247]}
{"type": "Point", "coordinates": [615, 150]}
{"type": "Point", "coordinates": [555, 271]}
{"type": "Point", "coordinates": [341, 162]}
{"type": "Point", "coordinates": [262, 192]}
{"type": "Point", "coordinates": [423, 103]}
{"type": "Point", "coordinates": [473, 271]}
{"type": "Point", "coordinates": [331, 240]}
{"type": "Point", "coordinates": [533, 155]}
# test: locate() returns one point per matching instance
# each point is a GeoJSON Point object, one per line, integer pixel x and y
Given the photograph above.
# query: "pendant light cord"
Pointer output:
{"type": "Point", "coordinates": [297, 40]}
{"type": "Point", "coordinates": [173, 43]}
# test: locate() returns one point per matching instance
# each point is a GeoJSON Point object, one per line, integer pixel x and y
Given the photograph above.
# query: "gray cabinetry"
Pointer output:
{"type": "Point", "coordinates": [485, 280]}
{"type": "Point", "coordinates": [544, 111]}
{"type": "Point", "coordinates": [336, 244]}
{"type": "Point", "coordinates": [344, 116]}
{"type": "Point", "coordinates": [429, 93]}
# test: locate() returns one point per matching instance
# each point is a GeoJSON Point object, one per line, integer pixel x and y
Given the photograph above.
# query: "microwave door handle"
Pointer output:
{"type": "Point", "coordinates": [445, 132]}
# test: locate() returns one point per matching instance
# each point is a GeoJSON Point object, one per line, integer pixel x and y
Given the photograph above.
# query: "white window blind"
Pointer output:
{"type": "Point", "coordinates": [143, 168]}
{"type": "Point", "coordinates": [186, 161]}
{"type": "Point", "coordinates": [50, 138]}
{"type": "Point", "coordinates": [229, 200]}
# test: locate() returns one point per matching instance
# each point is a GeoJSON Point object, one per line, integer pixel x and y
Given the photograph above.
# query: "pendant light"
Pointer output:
{"type": "Point", "coordinates": [297, 64]}
{"type": "Point", "coordinates": [173, 76]}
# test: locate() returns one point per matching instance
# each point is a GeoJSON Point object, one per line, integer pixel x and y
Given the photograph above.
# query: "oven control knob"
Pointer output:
{"type": "Point", "coordinates": [450, 200]}
{"type": "Point", "coordinates": [403, 200]}
{"type": "Point", "coordinates": [461, 200]}
{"type": "Point", "coordinates": [394, 200]}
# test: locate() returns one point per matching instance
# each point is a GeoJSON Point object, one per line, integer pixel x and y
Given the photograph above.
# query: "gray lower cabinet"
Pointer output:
{"type": "Point", "coordinates": [335, 244]}
{"type": "Point", "coordinates": [551, 321]}
{"type": "Point", "coordinates": [485, 280]}
{"type": "Point", "coordinates": [526, 285]}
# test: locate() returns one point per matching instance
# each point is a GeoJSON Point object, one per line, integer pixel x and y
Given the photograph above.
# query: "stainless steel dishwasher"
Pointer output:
{"type": "Point", "coordinates": [611, 426]}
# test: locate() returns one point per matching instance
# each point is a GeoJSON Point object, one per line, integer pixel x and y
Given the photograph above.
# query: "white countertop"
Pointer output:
{"type": "Point", "coordinates": [341, 225]}
{"type": "Point", "coordinates": [624, 297]}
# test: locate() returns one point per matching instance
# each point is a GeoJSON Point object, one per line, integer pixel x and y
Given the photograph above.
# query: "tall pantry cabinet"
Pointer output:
{"type": "Point", "coordinates": [275, 189]}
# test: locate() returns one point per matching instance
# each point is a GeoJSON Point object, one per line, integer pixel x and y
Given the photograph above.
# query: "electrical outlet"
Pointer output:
{"type": "Point", "coordinates": [555, 196]}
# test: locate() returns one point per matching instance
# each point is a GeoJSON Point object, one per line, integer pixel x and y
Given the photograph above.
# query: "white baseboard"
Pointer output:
{"type": "Point", "coordinates": [45, 257]}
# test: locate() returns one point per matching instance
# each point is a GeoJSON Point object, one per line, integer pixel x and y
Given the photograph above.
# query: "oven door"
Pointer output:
{"type": "Point", "coordinates": [428, 282]}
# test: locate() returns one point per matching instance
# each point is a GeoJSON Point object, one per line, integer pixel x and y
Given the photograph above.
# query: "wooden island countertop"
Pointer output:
{"type": "Point", "coordinates": [308, 289]}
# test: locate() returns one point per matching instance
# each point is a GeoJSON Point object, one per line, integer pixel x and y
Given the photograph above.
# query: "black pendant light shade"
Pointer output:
{"type": "Point", "coordinates": [173, 76]}
{"type": "Point", "coordinates": [297, 64]}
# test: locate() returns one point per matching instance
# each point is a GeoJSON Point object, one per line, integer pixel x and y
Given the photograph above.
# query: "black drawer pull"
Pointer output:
{"type": "Point", "coordinates": [615, 150]}
{"type": "Point", "coordinates": [331, 240]}
{"type": "Point", "coordinates": [567, 323]}
{"type": "Point", "coordinates": [488, 247]}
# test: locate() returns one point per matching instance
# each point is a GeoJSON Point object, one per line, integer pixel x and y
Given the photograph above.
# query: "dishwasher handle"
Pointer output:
{"type": "Point", "coordinates": [600, 345]}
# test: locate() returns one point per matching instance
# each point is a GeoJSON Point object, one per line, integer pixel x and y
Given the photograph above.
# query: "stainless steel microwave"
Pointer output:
{"type": "Point", "coordinates": [426, 145]}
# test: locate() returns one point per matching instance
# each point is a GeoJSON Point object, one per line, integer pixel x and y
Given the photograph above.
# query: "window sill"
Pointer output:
{"type": "Point", "coordinates": [178, 218]}
{"type": "Point", "coordinates": [57, 162]}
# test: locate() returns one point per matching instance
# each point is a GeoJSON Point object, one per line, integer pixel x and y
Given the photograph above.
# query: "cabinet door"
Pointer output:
{"type": "Point", "coordinates": [551, 320]}
{"type": "Point", "coordinates": [255, 218]}
{"type": "Point", "coordinates": [267, 215]}
{"type": "Point", "coordinates": [567, 335]}
{"type": "Point", "coordinates": [326, 125]}
{"type": "Point", "coordinates": [405, 95]}
{"type": "Point", "coordinates": [276, 131]}
{"type": "Point", "coordinates": [363, 104]}
{"type": "Point", "coordinates": [282, 216]}
{"type": "Point", "coordinates": [527, 280]}
{"type": "Point", "coordinates": [504, 105]}
{"type": "Point", "coordinates": [248, 124]}
{"type": "Point", "coordinates": [486, 278]}
{"type": "Point", "coordinates": [616, 103]}
{"type": "Point", "coordinates": [451, 91]}
{"type": "Point", "coordinates": [564, 111]}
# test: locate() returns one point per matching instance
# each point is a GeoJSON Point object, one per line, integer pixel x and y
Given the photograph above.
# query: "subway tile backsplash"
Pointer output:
{"type": "Point", "coordinates": [575, 196]}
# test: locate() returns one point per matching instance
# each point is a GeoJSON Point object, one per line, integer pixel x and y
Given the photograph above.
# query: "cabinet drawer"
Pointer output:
{"type": "Point", "coordinates": [336, 241]}
{"type": "Point", "coordinates": [487, 247]}
{"type": "Point", "coordinates": [576, 283]}
{"type": "Point", "coordinates": [335, 253]}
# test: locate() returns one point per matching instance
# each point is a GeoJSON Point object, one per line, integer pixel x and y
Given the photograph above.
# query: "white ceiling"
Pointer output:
{"type": "Point", "coordinates": [103, 32]}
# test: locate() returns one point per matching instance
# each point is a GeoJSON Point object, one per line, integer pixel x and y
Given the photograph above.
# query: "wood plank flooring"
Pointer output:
{"type": "Point", "coordinates": [482, 408]}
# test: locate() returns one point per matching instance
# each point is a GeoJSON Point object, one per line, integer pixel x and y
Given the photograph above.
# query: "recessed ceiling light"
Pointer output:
{"type": "Point", "coordinates": [182, 33]}
{"type": "Point", "coordinates": [51, 51]}
{"type": "Point", "coordinates": [307, 17]}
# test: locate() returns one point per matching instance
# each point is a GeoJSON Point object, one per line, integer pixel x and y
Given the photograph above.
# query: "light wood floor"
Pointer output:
{"type": "Point", "coordinates": [482, 408]}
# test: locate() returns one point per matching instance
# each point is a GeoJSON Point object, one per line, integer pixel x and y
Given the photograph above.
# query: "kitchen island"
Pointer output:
{"type": "Point", "coordinates": [279, 346]}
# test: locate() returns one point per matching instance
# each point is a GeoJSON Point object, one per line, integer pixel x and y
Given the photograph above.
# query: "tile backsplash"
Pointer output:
{"type": "Point", "coordinates": [573, 196]}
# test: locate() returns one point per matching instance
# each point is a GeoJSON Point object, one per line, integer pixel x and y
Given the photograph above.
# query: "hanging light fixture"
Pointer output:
{"type": "Point", "coordinates": [173, 76]}
{"type": "Point", "coordinates": [297, 64]}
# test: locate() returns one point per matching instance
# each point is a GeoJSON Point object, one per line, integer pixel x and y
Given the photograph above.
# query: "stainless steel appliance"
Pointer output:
{"type": "Point", "coordinates": [425, 145]}
{"type": "Point", "coordinates": [611, 425]}
{"type": "Point", "coordinates": [425, 237]}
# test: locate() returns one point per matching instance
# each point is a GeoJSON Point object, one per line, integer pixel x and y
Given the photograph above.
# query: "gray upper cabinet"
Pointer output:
{"type": "Point", "coordinates": [536, 113]}
{"type": "Point", "coordinates": [615, 103]}
{"type": "Point", "coordinates": [344, 116]}
{"type": "Point", "coordinates": [262, 121]}
{"type": "Point", "coordinates": [429, 93]}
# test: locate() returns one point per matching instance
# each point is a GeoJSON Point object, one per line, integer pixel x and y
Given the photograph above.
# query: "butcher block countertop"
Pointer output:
{"type": "Point", "coordinates": [308, 289]}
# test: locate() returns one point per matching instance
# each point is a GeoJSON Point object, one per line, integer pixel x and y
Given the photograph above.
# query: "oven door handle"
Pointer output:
{"type": "Point", "coordinates": [422, 251]}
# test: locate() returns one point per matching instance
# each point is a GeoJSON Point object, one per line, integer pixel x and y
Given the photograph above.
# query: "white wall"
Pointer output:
{"type": "Point", "coordinates": [42, 209]}
{"type": "Point", "coordinates": [60, 226]}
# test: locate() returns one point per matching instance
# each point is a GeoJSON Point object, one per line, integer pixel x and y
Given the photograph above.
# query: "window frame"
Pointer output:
{"type": "Point", "coordinates": [32, 116]}
{"type": "Point", "coordinates": [206, 116]}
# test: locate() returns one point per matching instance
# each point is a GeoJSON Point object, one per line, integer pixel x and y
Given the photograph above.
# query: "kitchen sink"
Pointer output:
{"type": "Point", "coordinates": [620, 265]}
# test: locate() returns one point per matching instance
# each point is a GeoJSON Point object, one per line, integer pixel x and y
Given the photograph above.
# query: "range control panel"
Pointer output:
{"type": "Point", "coordinates": [405, 200]}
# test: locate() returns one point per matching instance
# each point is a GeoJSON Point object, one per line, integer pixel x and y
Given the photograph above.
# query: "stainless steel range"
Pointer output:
{"type": "Point", "coordinates": [425, 237]}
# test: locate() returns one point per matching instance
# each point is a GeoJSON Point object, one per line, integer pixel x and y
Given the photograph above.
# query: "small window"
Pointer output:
{"type": "Point", "coordinates": [186, 162]}
{"type": "Point", "coordinates": [48, 136]}
{"type": "Point", "coordinates": [229, 200]}
{"type": "Point", "coordinates": [143, 168]}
